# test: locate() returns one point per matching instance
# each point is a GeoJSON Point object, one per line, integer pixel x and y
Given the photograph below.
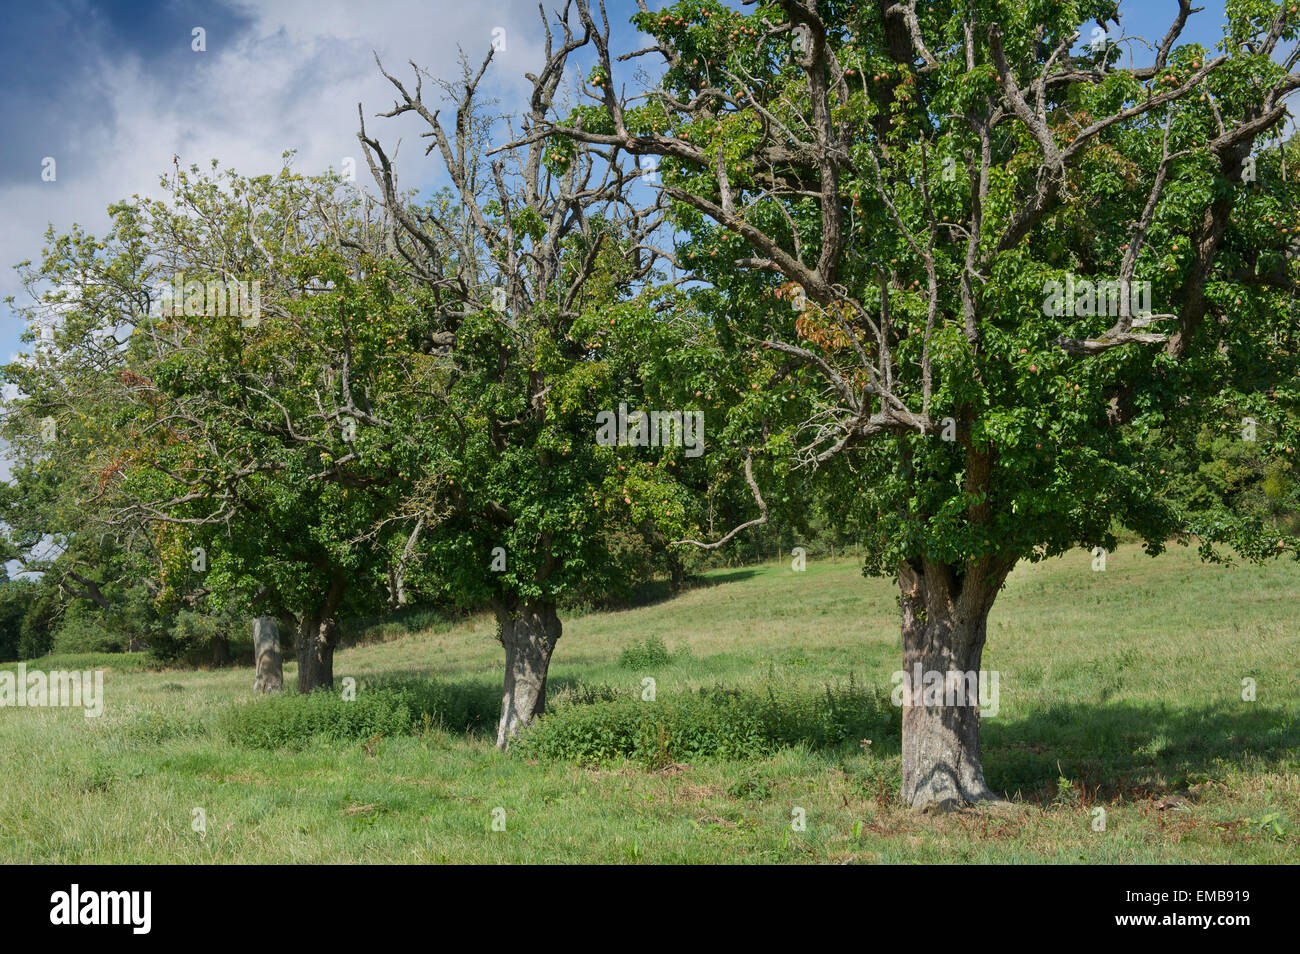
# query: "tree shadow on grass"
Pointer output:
{"type": "Point", "coordinates": [391, 624]}
{"type": "Point", "coordinates": [737, 723]}
{"type": "Point", "coordinates": [1124, 751]}
{"type": "Point", "coordinates": [717, 579]}
{"type": "Point", "coordinates": [1111, 752]}
{"type": "Point", "coordinates": [468, 706]}
{"type": "Point", "coordinates": [652, 593]}
{"type": "Point", "coordinates": [418, 620]}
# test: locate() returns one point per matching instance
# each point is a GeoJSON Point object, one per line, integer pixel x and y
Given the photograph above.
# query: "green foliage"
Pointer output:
{"type": "Point", "coordinates": [1275, 825]}
{"type": "Point", "coordinates": [1067, 437]}
{"type": "Point", "coordinates": [206, 454]}
{"type": "Point", "coordinates": [1066, 792]}
{"type": "Point", "coordinates": [291, 721]}
{"type": "Point", "coordinates": [1228, 476]}
{"type": "Point", "coordinates": [213, 635]}
{"type": "Point", "coordinates": [750, 787]}
{"type": "Point", "coordinates": [582, 694]}
{"type": "Point", "coordinates": [717, 723]}
{"type": "Point", "coordinates": [83, 632]}
{"type": "Point", "coordinates": [23, 629]}
{"type": "Point", "coordinates": [651, 651]}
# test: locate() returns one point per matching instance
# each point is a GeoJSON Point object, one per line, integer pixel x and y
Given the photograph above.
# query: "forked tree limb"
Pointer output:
{"type": "Point", "coordinates": [757, 521]}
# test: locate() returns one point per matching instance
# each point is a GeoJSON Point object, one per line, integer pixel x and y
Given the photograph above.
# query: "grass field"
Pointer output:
{"type": "Point", "coordinates": [1119, 690]}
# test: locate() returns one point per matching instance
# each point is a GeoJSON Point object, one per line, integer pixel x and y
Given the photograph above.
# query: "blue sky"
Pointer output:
{"type": "Point", "coordinates": [112, 90]}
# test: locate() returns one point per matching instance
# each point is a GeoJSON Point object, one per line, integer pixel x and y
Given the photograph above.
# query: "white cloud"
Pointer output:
{"type": "Point", "coordinates": [289, 80]}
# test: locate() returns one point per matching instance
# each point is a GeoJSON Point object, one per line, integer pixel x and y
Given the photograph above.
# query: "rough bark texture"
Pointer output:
{"type": "Point", "coordinates": [396, 587]}
{"type": "Point", "coordinates": [316, 638]}
{"type": "Point", "coordinates": [945, 623]}
{"type": "Point", "coordinates": [397, 572]}
{"type": "Point", "coordinates": [529, 633]}
{"type": "Point", "coordinates": [266, 650]}
{"type": "Point", "coordinates": [317, 635]}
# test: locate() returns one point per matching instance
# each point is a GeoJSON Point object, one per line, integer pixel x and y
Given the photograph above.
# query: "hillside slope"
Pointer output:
{"type": "Point", "coordinates": [1119, 690]}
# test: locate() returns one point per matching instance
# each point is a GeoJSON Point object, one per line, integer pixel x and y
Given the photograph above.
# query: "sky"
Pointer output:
{"type": "Point", "coordinates": [111, 91]}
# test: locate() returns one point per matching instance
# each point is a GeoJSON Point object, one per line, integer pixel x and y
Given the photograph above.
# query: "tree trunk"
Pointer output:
{"type": "Point", "coordinates": [220, 650]}
{"type": "Point", "coordinates": [266, 650]}
{"type": "Point", "coordinates": [396, 588]}
{"type": "Point", "coordinates": [528, 632]}
{"type": "Point", "coordinates": [315, 647]}
{"type": "Point", "coordinates": [317, 636]}
{"type": "Point", "coordinates": [944, 623]}
{"type": "Point", "coordinates": [397, 571]}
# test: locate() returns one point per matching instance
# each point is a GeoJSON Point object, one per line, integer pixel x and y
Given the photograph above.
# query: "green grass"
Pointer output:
{"type": "Point", "coordinates": [1119, 690]}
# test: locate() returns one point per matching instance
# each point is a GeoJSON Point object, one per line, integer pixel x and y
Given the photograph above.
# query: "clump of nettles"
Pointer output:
{"type": "Point", "coordinates": [651, 651]}
{"type": "Point", "coordinates": [385, 708]}
{"type": "Point", "coordinates": [718, 723]}
{"type": "Point", "coordinates": [582, 694]}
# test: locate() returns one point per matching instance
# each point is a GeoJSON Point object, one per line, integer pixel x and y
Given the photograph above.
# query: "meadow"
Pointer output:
{"type": "Point", "coordinates": [1119, 690]}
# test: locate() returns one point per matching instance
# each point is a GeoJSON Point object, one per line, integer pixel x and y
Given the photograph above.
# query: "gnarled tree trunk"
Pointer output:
{"type": "Point", "coordinates": [397, 571]}
{"type": "Point", "coordinates": [945, 623]}
{"type": "Point", "coordinates": [317, 635]}
{"type": "Point", "coordinates": [529, 632]}
{"type": "Point", "coordinates": [315, 645]}
{"type": "Point", "coordinates": [266, 651]}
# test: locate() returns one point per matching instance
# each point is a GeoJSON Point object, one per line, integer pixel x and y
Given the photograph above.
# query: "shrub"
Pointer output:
{"type": "Point", "coordinates": [650, 652]}
{"type": "Point", "coordinates": [582, 694]}
{"type": "Point", "coordinates": [84, 634]}
{"type": "Point", "coordinates": [291, 720]}
{"type": "Point", "coordinates": [717, 723]}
